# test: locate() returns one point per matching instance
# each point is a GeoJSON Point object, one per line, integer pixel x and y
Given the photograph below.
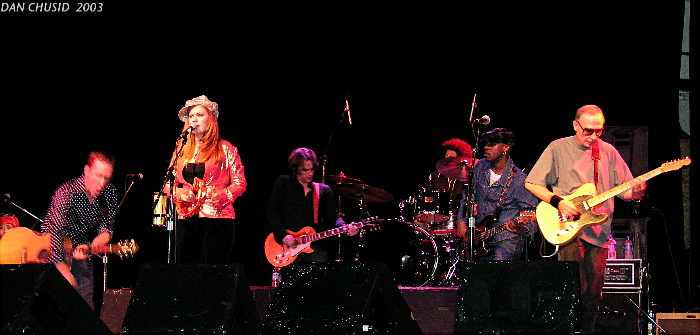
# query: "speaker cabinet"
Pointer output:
{"type": "Point", "coordinates": [678, 323]}
{"type": "Point", "coordinates": [191, 298]}
{"type": "Point", "coordinates": [349, 298]}
{"type": "Point", "coordinates": [114, 306]}
{"type": "Point", "coordinates": [518, 297]}
{"type": "Point", "coordinates": [37, 298]}
{"type": "Point", "coordinates": [618, 312]}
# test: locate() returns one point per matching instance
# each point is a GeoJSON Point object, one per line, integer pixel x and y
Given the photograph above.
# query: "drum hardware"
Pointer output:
{"type": "Point", "coordinates": [411, 253]}
{"type": "Point", "coordinates": [433, 206]}
{"type": "Point", "coordinates": [457, 168]}
{"type": "Point", "coordinates": [450, 278]}
{"type": "Point", "coordinates": [363, 192]}
{"type": "Point", "coordinates": [342, 179]}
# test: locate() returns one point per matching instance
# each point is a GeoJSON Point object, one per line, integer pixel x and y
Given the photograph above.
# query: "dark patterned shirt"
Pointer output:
{"type": "Point", "coordinates": [71, 214]}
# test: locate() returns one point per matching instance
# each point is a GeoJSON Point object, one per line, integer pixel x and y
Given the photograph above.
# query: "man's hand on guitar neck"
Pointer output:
{"type": "Point", "coordinates": [353, 230]}
{"type": "Point", "coordinates": [517, 226]}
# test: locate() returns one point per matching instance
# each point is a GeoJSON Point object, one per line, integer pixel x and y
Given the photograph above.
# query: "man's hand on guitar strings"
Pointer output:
{"type": "Point", "coordinates": [290, 241]}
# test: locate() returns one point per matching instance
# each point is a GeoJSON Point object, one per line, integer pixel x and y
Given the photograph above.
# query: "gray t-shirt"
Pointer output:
{"type": "Point", "coordinates": [565, 166]}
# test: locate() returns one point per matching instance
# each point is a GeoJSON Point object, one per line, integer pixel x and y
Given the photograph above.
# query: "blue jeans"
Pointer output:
{"type": "Point", "coordinates": [506, 250]}
{"type": "Point", "coordinates": [84, 275]}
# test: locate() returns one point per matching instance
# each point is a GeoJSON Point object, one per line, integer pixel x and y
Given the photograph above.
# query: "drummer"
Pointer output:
{"type": "Point", "coordinates": [454, 147]}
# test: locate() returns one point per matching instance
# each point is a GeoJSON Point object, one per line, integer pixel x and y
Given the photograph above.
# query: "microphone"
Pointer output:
{"type": "Point", "coordinates": [483, 120]}
{"type": "Point", "coordinates": [6, 196]}
{"type": "Point", "coordinates": [135, 175]}
{"type": "Point", "coordinates": [187, 131]}
{"type": "Point", "coordinates": [347, 108]}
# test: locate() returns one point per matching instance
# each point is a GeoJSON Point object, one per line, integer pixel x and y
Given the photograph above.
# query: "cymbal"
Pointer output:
{"type": "Point", "coordinates": [341, 179]}
{"type": "Point", "coordinates": [364, 192]}
{"type": "Point", "coordinates": [455, 167]}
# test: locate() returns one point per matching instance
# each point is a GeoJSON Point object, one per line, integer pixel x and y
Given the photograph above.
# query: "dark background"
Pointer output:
{"type": "Point", "coordinates": [114, 80]}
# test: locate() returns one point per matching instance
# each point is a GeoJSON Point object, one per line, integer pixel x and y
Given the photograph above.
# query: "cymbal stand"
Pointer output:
{"type": "Point", "coordinates": [449, 278]}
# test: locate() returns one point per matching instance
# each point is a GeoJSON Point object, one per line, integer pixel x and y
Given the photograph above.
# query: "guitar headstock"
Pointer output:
{"type": "Point", "coordinates": [526, 216]}
{"type": "Point", "coordinates": [365, 221]}
{"type": "Point", "coordinates": [675, 165]}
{"type": "Point", "coordinates": [371, 227]}
{"type": "Point", "coordinates": [126, 249]}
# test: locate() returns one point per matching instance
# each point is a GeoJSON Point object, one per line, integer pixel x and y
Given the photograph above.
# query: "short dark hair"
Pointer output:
{"type": "Point", "coordinates": [298, 156]}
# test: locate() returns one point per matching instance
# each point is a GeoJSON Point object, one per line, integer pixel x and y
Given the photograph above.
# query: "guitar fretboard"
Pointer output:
{"type": "Point", "coordinates": [600, 198]}
{"type": "Point", "coordinates": [332, 232]}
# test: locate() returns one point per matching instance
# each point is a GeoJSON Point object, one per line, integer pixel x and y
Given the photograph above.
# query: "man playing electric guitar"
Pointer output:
{"type": "Point", "coordinates": [566, 165]}
{"type": "Point", "coordinates": [500, 198]}
{"type": "Point", "coordinates": [296, 202]}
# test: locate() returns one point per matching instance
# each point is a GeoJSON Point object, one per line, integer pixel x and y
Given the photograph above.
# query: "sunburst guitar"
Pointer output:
{"type": "Point", "coordinates": [557, 229]}
{"type": "Point", "coordinates": [280, 255]}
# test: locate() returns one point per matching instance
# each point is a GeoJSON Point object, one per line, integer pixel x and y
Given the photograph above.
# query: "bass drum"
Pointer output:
{"type": "Point", "coordinates": [410, 252]}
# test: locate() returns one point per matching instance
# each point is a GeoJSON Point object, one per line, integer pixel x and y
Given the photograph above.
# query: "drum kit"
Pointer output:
{"type": "Point", "coordinates": [419, 247]}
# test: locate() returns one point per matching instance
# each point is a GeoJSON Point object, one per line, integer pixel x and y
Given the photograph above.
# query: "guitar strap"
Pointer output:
{"type": "Point", "coordinates": [595, 156]}
{"type": "Point", "coordinates": [502, 199]}
{"type": "Point", "coordinates": [316, 195]}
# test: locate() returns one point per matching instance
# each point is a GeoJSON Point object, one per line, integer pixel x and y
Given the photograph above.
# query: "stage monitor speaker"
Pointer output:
{"type": "Point", "coordinates": [114, 306]}
{"type": "Point", "coordinates": [36, 298]}
{"type": "Point", "coordinates": [191, 298]}
{"type": "Point", "coordinates": [434, 308]}
{"type": "Point", "coordinates": [618, 315]}
{"type": "Point", "coordinates": [352, 297]}
{"type": "Point", "coordinates": [506, 297]}
{"type": "Point", "coordinates": [678, 323]}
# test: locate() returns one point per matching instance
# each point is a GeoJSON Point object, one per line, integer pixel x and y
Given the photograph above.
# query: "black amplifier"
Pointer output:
{"type": "Point", "coordinates": [623, 274]}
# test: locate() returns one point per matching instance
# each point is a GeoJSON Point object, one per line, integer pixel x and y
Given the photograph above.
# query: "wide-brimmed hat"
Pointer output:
{"type": "Point", "coordinates": [201, 100]}
{"type": "Point", "coordinates": [499, 135]}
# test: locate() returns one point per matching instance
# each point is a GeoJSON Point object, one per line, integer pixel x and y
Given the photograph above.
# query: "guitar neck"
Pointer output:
{"type": "Point", "coordinates": [323, 234]}
{"type": "Point", "coordinates": [600, 198]}
{"type": "Point", "coordinates": [489, 233]}
{"type": "Point", "coordinates": [107, 249]}
{"type": "Point", "coordinates": [332, 232]}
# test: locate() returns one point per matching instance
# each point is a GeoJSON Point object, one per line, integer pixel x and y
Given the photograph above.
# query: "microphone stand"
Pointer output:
{"type": "Point", "coordinates": [24, 211]}
{"type": "Point", "coordinates": [324, 160]}
{"type": "Point", "coordinates": [170, 180]}
{"type": "Point", "coordinates": [470, 190]}
{"type": "Point", "coordinates": [104, 257]}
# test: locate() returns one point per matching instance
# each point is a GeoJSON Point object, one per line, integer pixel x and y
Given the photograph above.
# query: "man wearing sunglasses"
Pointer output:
{"type": "Point", "coordinates": [564, 166]}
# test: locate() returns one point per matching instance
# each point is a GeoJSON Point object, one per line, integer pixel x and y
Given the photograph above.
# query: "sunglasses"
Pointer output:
{"type": "Point", "coordinates": [589, 131]}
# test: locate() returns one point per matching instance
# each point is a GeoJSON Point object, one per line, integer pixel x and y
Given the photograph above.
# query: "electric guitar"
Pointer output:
{"type": "Point", "coordinates": [280, 255]}
{"type": "Point", "coordinates": [557, 229]}
{"type": "Point", "coordinates": [481, 239]}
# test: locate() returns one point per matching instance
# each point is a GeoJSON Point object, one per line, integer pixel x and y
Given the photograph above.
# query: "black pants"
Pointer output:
{"type": "Point", "coordinates": [204, 240]}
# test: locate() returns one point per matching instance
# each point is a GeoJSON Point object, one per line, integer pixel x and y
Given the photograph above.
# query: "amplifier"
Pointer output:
{"type": "Point", "coordinates": [623, 274]}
